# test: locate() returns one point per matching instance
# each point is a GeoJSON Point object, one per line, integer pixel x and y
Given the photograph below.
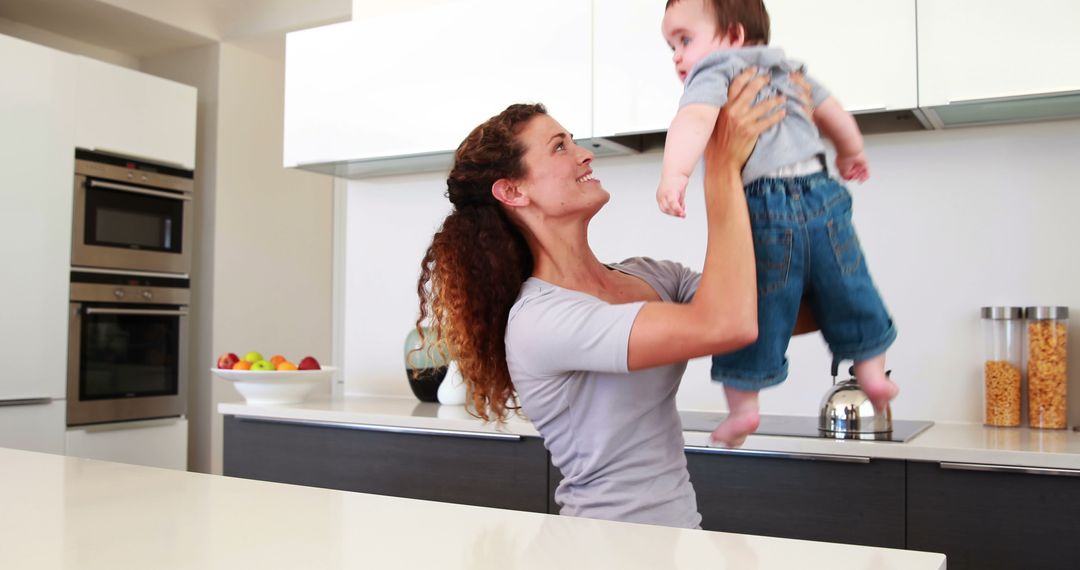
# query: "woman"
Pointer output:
{"type": "Point", "coordinates": [593, 352]}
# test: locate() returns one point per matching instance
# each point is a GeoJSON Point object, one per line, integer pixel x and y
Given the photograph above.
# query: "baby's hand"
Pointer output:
{"type": "Point", "coordinates": [853, 167]}
{"type": "Point", "coordinates": [671, 195]}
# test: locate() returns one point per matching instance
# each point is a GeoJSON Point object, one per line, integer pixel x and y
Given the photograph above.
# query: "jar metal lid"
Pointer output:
{"type": "Point", "coordinates": [1046, 313]}
{"type": "Point", "coordinates": [1002, 313]}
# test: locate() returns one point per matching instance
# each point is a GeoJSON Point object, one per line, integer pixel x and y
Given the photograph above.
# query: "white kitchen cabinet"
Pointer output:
{"type": "Point", "coordinates": [37, 161]}
{"type": "Point", "coordinates": [415, 81]}
{"type": "Point", "coordinates": [123, 111]}
{"type": "Point", "coordinates": [155, 443]}
{"type": "Point", "coordinates": [634, 82]}
{"type": "Point", "coordinates": [864, 53]}
{"type": "Point", "coordinates": [974, 50]}
{"type": "Point", "coordinates": [33, 426]}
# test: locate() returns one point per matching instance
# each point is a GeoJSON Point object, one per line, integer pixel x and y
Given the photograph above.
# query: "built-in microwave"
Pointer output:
{"type": "Point", "coordinates": [131, 215]}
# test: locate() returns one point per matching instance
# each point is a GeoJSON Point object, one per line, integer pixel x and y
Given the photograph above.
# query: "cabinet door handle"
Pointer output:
{"type": "Point", "coordinates": [26, 401]}
{"type": "Point", "coordinates": [1005, 97]}
{"type": "Point", "coordinates": [138, 312]}
{"type": "Point", "coordinates": [1010, 469]}
{"type": "Point", "coordinates": [391, 429]}
{"type": "Point", "coordinates": [138, 190]}
{"type": "Point", "coordinates": [777, 454]}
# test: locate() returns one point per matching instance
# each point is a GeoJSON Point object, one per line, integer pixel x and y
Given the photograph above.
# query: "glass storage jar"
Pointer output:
{"type": "Point", "coordinates": [1047, 337]}
{"type": "Point", "coordinates": [1003, 329]}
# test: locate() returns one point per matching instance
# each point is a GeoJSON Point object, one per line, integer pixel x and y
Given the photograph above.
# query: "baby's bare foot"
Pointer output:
{"type": "Point", "coordinates": [733, 430]}
{"type": "Point", "coordinates": [879, 389]}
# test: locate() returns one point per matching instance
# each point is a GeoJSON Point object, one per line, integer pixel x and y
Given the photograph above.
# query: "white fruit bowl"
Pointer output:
{"type": "Point", "coordinates": [275, 387]}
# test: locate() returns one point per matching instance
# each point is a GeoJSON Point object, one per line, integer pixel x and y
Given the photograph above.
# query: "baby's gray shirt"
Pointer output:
{"type": "Point", "coordinates": [793, 139]}
{"type": "Point", "coordinates": [614, 434]}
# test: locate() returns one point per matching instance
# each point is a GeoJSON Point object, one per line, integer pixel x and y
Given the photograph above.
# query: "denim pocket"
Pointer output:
{"type": "Point", "coordinates": [772, 250]}
{"type": "Point", "coordinates": [845, 244]}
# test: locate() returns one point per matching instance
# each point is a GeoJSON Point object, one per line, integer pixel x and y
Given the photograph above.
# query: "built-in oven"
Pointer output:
{"type": "Point", "coordinates": [131, 214]}
{"type": "Point", "coordinates": [127, 346]}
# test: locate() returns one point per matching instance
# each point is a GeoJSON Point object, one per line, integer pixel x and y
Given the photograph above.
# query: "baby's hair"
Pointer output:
{"type": "Point", "coordinates": [729, 14]}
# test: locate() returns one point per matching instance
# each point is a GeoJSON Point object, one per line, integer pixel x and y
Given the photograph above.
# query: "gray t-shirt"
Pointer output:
{"type": "Point", "coordinates": [614, 434]}
{"type": "Point", "coordinates": [793, 139]}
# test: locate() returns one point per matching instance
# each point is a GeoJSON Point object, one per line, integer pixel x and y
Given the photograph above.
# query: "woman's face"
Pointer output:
{"type": "Point", "coordinates": [559, 178]}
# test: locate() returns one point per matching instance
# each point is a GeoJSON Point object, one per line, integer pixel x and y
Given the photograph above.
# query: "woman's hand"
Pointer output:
{"type": "Point", "coordinates": [741, 122]}
{"type": "Point", "coordinates": [806, 98]}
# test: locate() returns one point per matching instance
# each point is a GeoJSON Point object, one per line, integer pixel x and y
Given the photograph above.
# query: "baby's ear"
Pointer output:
{"type": "Point", "coordinates": [737, 35]}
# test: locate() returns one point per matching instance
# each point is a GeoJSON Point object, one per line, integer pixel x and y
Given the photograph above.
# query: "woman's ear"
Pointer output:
{"type": "Point", "coordinates": [508, 193]}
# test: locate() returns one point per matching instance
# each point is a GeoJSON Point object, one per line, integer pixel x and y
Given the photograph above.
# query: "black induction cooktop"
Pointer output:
{"type": "Point", "coordinates": [800, 426]}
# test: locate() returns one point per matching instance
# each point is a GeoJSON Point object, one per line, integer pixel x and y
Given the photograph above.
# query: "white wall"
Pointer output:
{"type": "Point", "coordinates": [62, 43]}
{"type": "Point", "coordinates": [263, 273]}
{"type": "Point", "coordinates": [198, 67]}
{"type": "Point", "coordinates": [272, 231]}
{"type": "Point", "coordinates": [950, 221]}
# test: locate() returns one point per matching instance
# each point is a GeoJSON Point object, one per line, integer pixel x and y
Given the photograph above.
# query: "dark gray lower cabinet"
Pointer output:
{"type": "Point", "coordinates": [992, 519]}
{"type": "Point", "coordinates": [979, 519]}
{"type": "Point", "coordinates": [437, 466]}
{"type": "Point", "coordinates": [848, 500]}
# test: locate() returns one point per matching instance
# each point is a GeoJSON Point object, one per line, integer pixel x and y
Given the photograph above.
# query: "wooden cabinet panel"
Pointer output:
{"type": "Point", "coordinates": [826, 500]}
{"type": "Point", "coordinates": [508, 474]}
{"type": "Point", "coordinates": [994, 520]}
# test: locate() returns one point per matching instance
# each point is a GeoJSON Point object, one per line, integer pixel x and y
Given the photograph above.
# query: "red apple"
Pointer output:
{"type": "Point", "coordinates": [309, 363]}
{"type": "Point", "coordinates": [227, 360]}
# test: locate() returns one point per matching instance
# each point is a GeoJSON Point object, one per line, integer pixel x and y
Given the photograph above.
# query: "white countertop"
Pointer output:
{"type": "Point", "coordinates": [70, 513]}
{"type": "Point", "coordinates": [960, 443]}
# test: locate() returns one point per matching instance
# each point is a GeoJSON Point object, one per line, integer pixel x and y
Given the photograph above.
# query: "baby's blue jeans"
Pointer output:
{"type": "Point", "coordinates": [805, 245]}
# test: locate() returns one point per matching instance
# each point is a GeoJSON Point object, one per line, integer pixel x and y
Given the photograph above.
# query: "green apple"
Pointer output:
{"type": "Point", "coordinates": [253, 357]}
{"type": "Point", "coordinates": [263, 365]}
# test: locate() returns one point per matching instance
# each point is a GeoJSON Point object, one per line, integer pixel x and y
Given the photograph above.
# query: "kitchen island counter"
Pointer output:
{"type": "Point", "coordinates": [942, 442]}
{"type": "Point", "coordinates": [66, 512]}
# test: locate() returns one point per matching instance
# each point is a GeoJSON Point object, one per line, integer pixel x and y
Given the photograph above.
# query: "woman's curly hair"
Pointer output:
{"type": "Point", "coordinates": [477, 261]}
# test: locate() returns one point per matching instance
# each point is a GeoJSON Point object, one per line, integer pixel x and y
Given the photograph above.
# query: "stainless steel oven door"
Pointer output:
{"type": "Point", "coordinates": [132, 220]}
{"type": "Point", "coordinates": [126, 362]}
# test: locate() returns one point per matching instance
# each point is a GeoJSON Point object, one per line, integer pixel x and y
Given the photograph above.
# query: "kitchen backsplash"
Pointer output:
{"type": "Point", "coordinates": [950, 221]}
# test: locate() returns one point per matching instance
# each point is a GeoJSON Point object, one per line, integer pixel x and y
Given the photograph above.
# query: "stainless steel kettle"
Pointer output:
{"type": "Point", "coordinates": [847, 413]}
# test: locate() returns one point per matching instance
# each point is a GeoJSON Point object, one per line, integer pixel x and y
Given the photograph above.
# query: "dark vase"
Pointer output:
{"type": "Point", "coordinates": [425, 365]}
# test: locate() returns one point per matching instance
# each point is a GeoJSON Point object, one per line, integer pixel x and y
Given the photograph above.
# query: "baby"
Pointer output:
{"type": "Point", "coordinates": [804, 243]}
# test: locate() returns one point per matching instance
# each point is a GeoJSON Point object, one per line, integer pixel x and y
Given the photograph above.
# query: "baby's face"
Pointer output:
{"type": "Point", "coordinates": [690, 31]}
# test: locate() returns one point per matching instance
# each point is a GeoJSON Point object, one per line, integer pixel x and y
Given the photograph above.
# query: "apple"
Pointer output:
{"type": "Point", "coordinates": [227, 360]}
{"type": "Point", "coordinates": [263, 365]}
{"type": "Point", "coordinates": [253, 357]}
{"type": "Point", "coordinates": [309, 363]}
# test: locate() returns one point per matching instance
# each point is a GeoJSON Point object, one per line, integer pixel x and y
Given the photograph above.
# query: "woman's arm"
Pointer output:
{"type": "Point", "coordinates": [723, 314]}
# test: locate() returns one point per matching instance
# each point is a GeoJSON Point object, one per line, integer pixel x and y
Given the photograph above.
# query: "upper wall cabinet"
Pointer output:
{"type": "Point", "coordinates": [634, 81]}
{"type": "Point", "coordinates": [990, 60]}
{"type": "Point", "coordinates": [123, 111]}
{"type": "Point", "coordinates": [989, 49]}
{"type": "Point", "coordinates": [415, 81]}
{"type": "Point", "coordinates": [864, 52]}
